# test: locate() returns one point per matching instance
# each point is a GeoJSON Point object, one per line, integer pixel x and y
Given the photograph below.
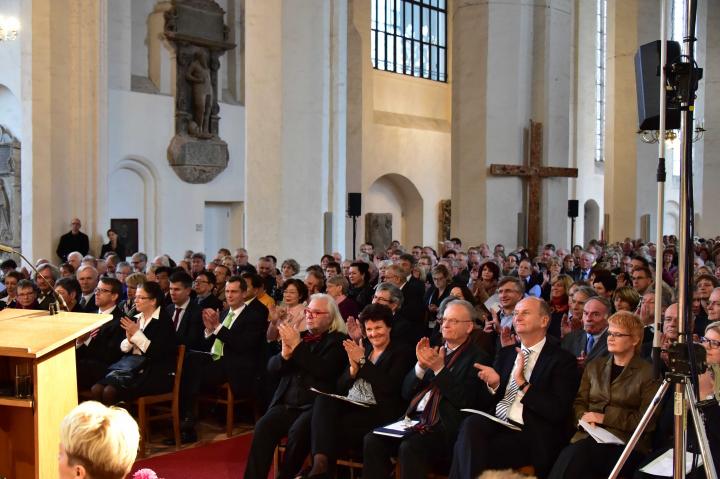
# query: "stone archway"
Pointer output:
{"type": "Point", "coordinates": [671, 220]}
{"type": "Point", "coordinates": [591, 222]}
{"type": "Point", "coordinates": [396, 194]}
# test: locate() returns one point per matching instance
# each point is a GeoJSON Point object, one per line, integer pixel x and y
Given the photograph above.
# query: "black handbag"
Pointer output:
{"type": "Point", "coordinates": [126, 369]}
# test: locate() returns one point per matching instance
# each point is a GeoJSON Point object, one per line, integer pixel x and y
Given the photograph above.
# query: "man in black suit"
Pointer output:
{"type": "Point", "coordinates": [314, 358]}
{"type": "Point", "coordinates": [185, 314]}
{"type": "Point", "coordinates": [590, 342]}
{"type": "Point", "coordinates": [45, 288]}
{"type": "Point", "coordinates": [203, 286]}
{"type": "Point", "coordinates": [100, 348]}
{"type": "Point", "coordinates": [582, 272]}
{"type": "Point", "coordinates": [238, 339]}
{"type": "Point", "coordinates": [441, 383]}
{"type": "Point", "coordinates": [532, 387]}
{"type": "Point", "coordinates": [73, 240]}
{"type": "Point", "coordinates": [87, 276]}
{"type": "Point", "coordinates": [413, 289]}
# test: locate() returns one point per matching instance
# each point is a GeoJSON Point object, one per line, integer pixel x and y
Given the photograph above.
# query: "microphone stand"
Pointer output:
{"type": "Point", "coordinates": [54, 307]}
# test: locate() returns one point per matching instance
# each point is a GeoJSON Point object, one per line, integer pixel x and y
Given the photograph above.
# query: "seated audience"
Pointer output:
{"type": "Point", "coordinates": [359, 278]}
{"type": "Point", "coordinates": [374, 375]}
{"type": "Point", "coordinates": [559, 303]}
{"type": "Point", "coordinates": [97, 442]}
{"type": "Point", "coordinates": [312, 358]}
{"type": "Point", "coordinates": [291, 311]}
{"type": "Point", "coordinates": [625, 298]}
{"type": "Point", "coordinates": [149, 335]}
{"type": "Point", "coordinates": [26, 295]}
{"type": "Point", "coordinates": [236, 353]}
{"type": "Point", "coordinates": [338, 287]}
{"type": "Point", "coordinates": [590, 342]}
{"type": "Point", "coordinates": [441, 383]}
{"type": "Point", "coordinates": [533, 390]}
{"type": "Point", "coordinates": [186, 315]}
{"type": "Point", "coordinates": [614, 394]}
{"type": "Point", "coordinates": [204, 284]}
{"type": "Point", "coordinates": [69, 290]}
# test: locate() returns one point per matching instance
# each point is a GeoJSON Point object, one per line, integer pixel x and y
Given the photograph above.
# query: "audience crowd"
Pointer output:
{"type": "Point", "coordinates": [540, 344]}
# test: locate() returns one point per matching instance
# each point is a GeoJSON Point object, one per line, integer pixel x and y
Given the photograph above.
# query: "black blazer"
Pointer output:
{"type": "Point", "coordinates": [413, 307]}
{"type": "Point", "coordinates": [458, 385]}
{"type": "Point", "coordinates": [161, 355]}
{"type": "Point", "coordinates": [576, 341]}
{"type": "Point", "coordinates": [547, 404]}
{"type": "Point", "coordinates": [317, 365]}
{"type": "Point", "coordinates": [385, 378]}
{"type": "Point", "coordinates": [105, 347]}
{"type": "Point", "coordinates": [191, 332]}
{"type": "Point", "coordinates": [211, 301]}
{"type": "Point", "coordinates": [90, 306]}
{"type": "Point", "coordinates": [243, 344]}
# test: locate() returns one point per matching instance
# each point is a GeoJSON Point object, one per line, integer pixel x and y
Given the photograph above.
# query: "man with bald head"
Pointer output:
{"type": "Point", "coordinates": [73, 240]}
{"type": "Point", "coordinates": [532, 387]}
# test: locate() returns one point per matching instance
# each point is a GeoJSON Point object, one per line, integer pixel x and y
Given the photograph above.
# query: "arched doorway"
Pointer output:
{"type": "Point", "coordinates": [397, 195]}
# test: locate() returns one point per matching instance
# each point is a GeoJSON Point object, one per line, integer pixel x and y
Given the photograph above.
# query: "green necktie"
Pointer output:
{"type": "Point", "coordinates": [217, 347]}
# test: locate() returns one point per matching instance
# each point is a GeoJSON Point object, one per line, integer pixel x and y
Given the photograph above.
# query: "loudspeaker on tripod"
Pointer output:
{"type": "Point", "coordinates": [353, 204]}
{"type": "Point", "coordinates": [647, 82]}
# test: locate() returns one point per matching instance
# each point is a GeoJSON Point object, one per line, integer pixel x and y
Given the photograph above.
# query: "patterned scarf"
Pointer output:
{"type": "Point", "coordinates": [429, 416]}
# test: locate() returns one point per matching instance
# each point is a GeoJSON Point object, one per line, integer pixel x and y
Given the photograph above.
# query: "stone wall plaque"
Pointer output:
{"type": "Point", "coordinates": [197, 31]}
{"type": "Point", "coordinates": [378, 230]}
{"type": "Point", "coordinates": [10, 200]}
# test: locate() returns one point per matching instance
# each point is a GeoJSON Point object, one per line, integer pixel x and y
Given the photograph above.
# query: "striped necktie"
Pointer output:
{"type": "Point", "coordinates": [502, 408]}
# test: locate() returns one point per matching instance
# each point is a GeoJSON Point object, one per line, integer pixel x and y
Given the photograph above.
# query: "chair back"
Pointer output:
{"type": "Point", "coordinates": [178, 370]}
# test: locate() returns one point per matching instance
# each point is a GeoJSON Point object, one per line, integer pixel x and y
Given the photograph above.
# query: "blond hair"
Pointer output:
{"type": "Point", "coordinates": [630, 322]}
{"type": "Point", "coordinates": [104, 440]}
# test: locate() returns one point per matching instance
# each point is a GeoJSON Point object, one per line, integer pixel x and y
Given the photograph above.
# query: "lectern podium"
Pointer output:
{"type": "Point", "coordinates": [29, 428]}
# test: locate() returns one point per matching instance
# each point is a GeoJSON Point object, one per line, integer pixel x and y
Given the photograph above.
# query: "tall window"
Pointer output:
{"type": "Point", "coordinates": [410, 37]}
{"type": "Point", "coordinates": [600, 78]}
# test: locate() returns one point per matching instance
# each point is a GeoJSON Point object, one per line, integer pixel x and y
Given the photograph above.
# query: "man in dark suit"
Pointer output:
{"type": "Point", "coordinates": [203, 285]}
{"type": "Point", "coordinates": [238, 341]}
{"type": "Point", "coordinates": [582, 272]}
{"type": "Point", "coordinates": [413, 290]}
{"type": "Point", "coordinates": [532, 387]}
{"type": "Point", "coordinates": [314, 358]}
{"type": "Point", "coordinates": [590, 342]}
{"type": "Point", "coordinates": [185, 314]}
{"type": "Point", "coordinates": [73, 240]}
{"type": "Point", "coordinates": [441, 383]}
{"type": "Point", "coordinates": [45, 288]}
{"type": "Point", "coordinates": [87, 276]}
{"type": "Point", "coordinates": [100, 348]}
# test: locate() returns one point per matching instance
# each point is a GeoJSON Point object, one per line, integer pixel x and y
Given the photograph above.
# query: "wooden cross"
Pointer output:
{"type": "Point", "coordinates": [533, 172]}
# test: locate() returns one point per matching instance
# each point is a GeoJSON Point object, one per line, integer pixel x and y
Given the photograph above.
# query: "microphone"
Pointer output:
{"type": "Point", "coordinates": [54, 307]}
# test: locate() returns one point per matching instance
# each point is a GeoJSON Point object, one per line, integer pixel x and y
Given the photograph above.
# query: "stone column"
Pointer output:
{"type": "Point", "coordinates": [64, 88]}
{"type": "Point", "coordinates": [510, 64]}
{"type": "Point", "coordinates": [287, 108]}
{"type": "Point", "coordinates": [709, 35]}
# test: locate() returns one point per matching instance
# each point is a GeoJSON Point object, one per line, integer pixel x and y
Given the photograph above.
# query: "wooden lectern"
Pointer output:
{"type": "Point", "coordinates": [29, 428]}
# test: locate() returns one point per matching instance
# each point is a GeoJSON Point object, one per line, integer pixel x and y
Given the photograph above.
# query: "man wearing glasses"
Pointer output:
{"type": "Point", "coordinates": [100, 348]}
{"type": "Point", "coordinates": [312, 358]}
{"type": "Point", "coordinates": [531, 387]}
{"type": "Point", "coordinates": [203, 286]}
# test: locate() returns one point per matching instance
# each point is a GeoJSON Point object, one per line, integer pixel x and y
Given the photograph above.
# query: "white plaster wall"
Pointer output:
{"type": "Point", "coordinates": [141, 127]}
{"type": "Point", "coordinates": [11, 73]}
{"type": "Point", "coordinates": [140, 10]}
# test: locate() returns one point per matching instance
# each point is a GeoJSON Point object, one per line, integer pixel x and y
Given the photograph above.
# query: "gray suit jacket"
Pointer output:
{"type": "Point", "coordinates": [575, 343]}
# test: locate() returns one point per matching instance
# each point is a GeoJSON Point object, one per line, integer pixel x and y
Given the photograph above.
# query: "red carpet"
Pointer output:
{"type": "Point", "coordinates": [219, 460]}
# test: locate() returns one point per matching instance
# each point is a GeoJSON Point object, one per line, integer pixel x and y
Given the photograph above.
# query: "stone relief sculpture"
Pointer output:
{"type": "Point", "coordinates": [197, 32]}
{"type": "Point", "coordinates": [444, 216]}
{"type": "Point", "coordinates": [378, 230]}
{"type": "Point", "coordinates": [10, 204]}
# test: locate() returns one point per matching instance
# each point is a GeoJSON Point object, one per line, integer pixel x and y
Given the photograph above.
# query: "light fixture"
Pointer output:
{"type": "Point", "coordinates": [9, 27]}
{"type": "Point", "coordinates": [652, 136]}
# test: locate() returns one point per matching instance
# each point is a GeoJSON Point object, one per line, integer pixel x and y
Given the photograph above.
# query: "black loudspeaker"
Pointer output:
{"type": "Point", "coordinates": [572, 208]}
{"type": "Point", "coordinates": [353, 205]}
{"type": "Point", "coordinates": [647, 81]}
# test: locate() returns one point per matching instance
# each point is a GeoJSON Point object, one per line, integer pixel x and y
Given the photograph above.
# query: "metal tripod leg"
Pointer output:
{"type": "Point", "coordinates": [640, 429]}
{"type": "Point", "coordinates": [702, 439]}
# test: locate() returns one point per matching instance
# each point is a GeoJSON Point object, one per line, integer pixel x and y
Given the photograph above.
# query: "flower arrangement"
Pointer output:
{"type": "Point", "coordinates": [145, 474]}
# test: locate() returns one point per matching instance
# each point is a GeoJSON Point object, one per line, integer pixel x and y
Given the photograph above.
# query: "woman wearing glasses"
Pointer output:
{"type": "Point", "coordinates": [614, 394]}
{"type": "Point", "coordinates": [149, 347]}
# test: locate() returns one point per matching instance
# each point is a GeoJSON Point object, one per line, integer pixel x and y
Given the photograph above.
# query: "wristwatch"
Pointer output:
{"type": "Point", "coordinates": [523, 386]}
{"type": "Point", "coordinates": [362, 362]}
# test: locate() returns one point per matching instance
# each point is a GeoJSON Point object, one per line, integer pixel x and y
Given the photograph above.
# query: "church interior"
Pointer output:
{"type": "Point", "coordinates": [347, 130]}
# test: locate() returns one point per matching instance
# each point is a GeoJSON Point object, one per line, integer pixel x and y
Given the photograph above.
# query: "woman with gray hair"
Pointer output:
{"type": "Point", "coordinates": [337, 287]}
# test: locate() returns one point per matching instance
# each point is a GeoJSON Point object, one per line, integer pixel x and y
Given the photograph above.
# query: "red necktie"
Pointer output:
{"type": "Point", "coordinates": [176, 318]}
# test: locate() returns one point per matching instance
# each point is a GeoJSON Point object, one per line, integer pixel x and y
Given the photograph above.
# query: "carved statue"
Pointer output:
{"type": "Point", "coordinates": [5, 226]}
{"type": "Point", "coordinates": [198, 75]}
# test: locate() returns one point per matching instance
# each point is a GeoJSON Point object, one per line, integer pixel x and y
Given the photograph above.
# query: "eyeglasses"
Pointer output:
{"type": "Point", "coordinates": [313, 314]}
{"type": "Point", "coordinates": [611, 334]}
{"type": "Point", "coordinates": [101, 290]}
{"type": "Point", "coordinates": [380, 299]}
{"type": "Point", "coordinates": [454, 322]}
{"type": "Point", "coordinates": [711, 343]}
{"type": "Point", "coordinates": [200, 281]}
{"type": "Point", "coordinates": [142, 297]}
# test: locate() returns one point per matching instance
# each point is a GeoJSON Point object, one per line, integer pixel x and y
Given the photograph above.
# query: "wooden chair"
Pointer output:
{"type": "Point", "coordinates": [165, 411]}
{"type": "Point", "coordinates": [226, 397]}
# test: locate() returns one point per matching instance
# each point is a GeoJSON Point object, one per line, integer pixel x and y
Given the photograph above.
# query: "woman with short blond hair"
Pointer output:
{"type": "Point", "coordinates": [97, 442]}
